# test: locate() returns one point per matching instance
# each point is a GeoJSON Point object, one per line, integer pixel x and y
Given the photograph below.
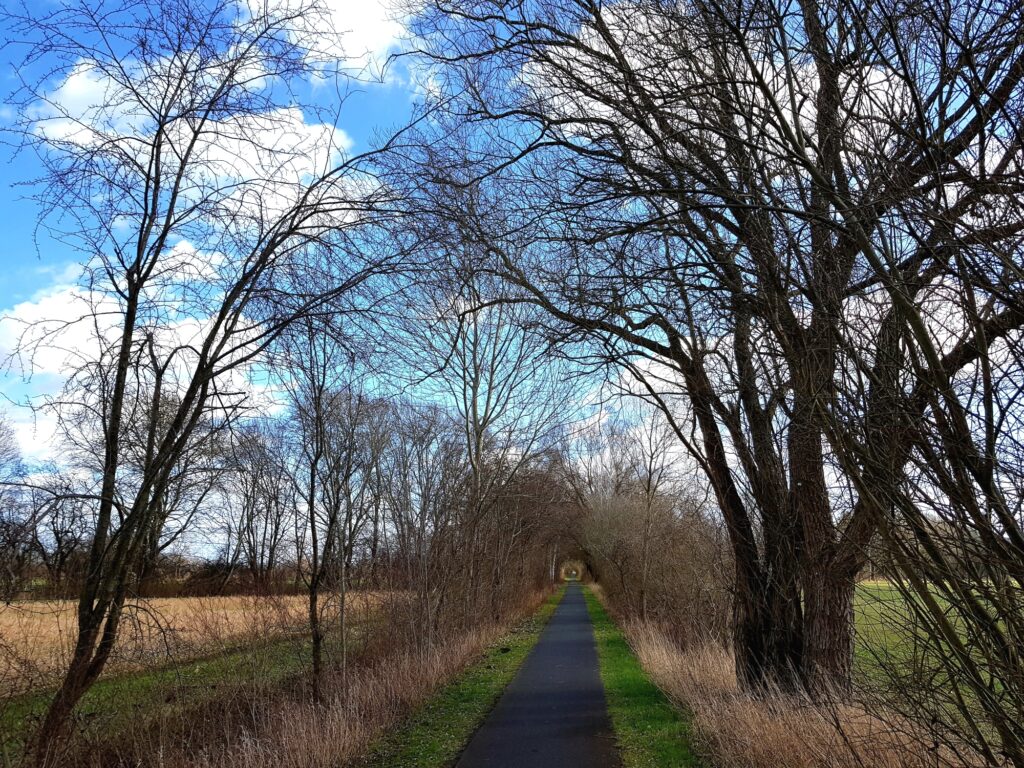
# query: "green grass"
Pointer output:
{"type": "Point", "coordinates": [435, 734]}
{"type": "Point", "coordinates": [880, 612]}
{"type": "Point", "coordinates": [119, 702]}
{"type": "Point", "coordinates": [894, 651]}
{"type": "Point", "coordinates": [888, 636]}
{"type": "Point", "coordinates": [651, 733]}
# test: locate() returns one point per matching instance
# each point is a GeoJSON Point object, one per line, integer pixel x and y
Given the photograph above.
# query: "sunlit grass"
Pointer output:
{"type": "Point", "coordinates": [650, 732]}
{"type": "Point", "coordinates": [249, 652]}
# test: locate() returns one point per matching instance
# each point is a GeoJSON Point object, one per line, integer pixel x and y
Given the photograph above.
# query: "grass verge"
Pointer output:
{"type": "Point", "coordinates": [434, 735]}
{"type": "Point", "coordinates": [651, 733]}
{"type": "Point", "coordinates": [119, 702]}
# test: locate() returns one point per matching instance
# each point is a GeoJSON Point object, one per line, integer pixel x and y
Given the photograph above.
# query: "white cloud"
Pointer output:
{"type": "Point", "coordinates": [364, 32]}
{"type": "Point", "coordinates": [36, 433]}
{"type": "Point", "coordinates": [86, 107]}
{"type": "Point", "coordinates": [44, 334]}
{"type": "Point", "coordinates": [370, 29]}
{"type": "Point", "coordinates": [40, 340]}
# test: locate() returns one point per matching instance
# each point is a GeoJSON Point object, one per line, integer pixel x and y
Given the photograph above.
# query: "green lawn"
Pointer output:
{"type": "Point", "coordinates": [435, 734]}
{"type": "Point", "coordinates": [887, 635]}
{"type": "Point", "coordinates": [650, 732]}
{"type": "Point", "coordinates": [894, 652]}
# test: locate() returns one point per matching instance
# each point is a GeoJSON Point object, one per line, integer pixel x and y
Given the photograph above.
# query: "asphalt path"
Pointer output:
{"type": "Point", "coordinates": [553, 714]}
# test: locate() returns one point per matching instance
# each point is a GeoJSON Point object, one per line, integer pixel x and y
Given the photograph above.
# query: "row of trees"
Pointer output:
{"type": "Point", "coordinates": [797, 226]}
{"type": "Point", "coordinates": [646, 528]}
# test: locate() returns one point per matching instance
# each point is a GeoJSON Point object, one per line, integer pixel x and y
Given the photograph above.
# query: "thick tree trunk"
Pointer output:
{"type": "Point", "coordinates": [766, 607]}
{"type": "Point", "coordinates": [827, 582]}
{"type": "Point", "coordinates": [781, 585]}
{"type": "Point", "coordinates": [148, 571]}
{"type": "Point", "coordinates": [46, 749]}
{"type": "Point", "coordinates": [767, 640]}
{"type": "Point", "coordinates": [828, 612]}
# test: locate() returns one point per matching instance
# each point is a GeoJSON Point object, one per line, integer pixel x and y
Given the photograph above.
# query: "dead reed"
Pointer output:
{"type": "Point", "coordinates": [265, 726]}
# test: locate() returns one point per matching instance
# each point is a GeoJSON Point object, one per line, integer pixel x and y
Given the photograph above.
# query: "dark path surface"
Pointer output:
{"type": "Point", "coordinates": [553, 714]}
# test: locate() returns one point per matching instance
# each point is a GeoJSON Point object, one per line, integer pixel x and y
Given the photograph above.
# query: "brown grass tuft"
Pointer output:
{"type": "Point", "coordinates": [299, 734]}
{"type": "Point", "coordinates": [772, 731]}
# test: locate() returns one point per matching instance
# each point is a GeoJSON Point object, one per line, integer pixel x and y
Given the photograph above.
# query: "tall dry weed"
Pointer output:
{"type": "Point", "coordinates": [736, 730]}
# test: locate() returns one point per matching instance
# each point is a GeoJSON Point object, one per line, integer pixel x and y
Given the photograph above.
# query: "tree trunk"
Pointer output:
{"type": "Point", "coordinates": [827, 584]}
{"type": "Point", "coordinates": [45, 751]}
{"type": "Point", "coordinates": [343, 620]}
{"type": "Point", "coordinates": [92, 649]}
{"type": "Point", "coordinates": [766, 632]}
{"type": "Point", "coordinates": [828, 617]}
{"type": "Point", "coordinates": [317, 639]}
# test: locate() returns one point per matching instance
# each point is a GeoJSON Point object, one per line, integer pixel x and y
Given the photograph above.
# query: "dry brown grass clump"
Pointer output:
{"type": "Point", "coordinates": [286, 729]}
{"type": "Point", "coordinates": [300, 734]}
{"type": "Point", "coordinates": [772, 731]}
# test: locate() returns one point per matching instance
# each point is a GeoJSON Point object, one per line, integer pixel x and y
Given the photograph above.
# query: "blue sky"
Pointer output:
{"type": "Point", "coordinates": [35, 269]}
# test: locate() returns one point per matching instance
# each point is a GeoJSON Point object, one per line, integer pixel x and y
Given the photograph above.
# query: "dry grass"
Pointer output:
{"type": "Point", "coordinates": [772, 731]}
{"type": "Point", "coordinates": [303, 735]}
{"type": "Point", "coordinates": [36, 638]}
{"type": "Point", "coordinates": [292, 731]}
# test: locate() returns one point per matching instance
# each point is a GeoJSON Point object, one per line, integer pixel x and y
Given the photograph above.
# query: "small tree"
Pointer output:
{"type": "Point", "coordinates": [16, 525]}
{"type": "Point", "coordinates": [327, 408]}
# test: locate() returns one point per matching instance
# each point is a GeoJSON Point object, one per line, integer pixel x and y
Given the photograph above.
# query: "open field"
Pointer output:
{"type": "Point", "coordinates": [890, 643]}
{"type": "Point", "coordinates": [880, 623]}
{"type": "Point", "coordinates": [191, 653]}
{"type": "Point", "coordinates": [37, 637]}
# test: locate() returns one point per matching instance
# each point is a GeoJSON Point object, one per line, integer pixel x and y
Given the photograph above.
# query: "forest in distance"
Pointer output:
{"type": "Point", "coordinates": [370, 324]}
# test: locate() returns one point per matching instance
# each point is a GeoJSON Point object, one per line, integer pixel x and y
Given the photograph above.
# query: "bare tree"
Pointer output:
{"type": "Point", "coordinates": [738, 203]}
{"type": "Point", "coordinates": [327, 409]}
{"type": "Point", "coordinates": [427, 468]}
{"type": "Point", "coordinates": [482, 352]}
{"type": "Point", "coordinates": [62, 525]}
{"type": "Point", "coordinates": [951, 531]}
{"type": "Point", "coordinates": [16, 525]}
{"type": "Point", "coordinates": [264, 499]}
{"type": "Point", "coordinates": [197, 194]}
{"type": "Point", "coordinates": [648, 533]}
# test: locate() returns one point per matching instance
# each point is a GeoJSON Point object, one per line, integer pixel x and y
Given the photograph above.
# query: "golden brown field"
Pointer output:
{"type": "Point", "coordinates": [37, 637]}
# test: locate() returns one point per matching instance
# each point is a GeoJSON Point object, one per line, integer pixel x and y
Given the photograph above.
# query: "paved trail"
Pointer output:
{"type": "Point", "coordinates": [553, 714]}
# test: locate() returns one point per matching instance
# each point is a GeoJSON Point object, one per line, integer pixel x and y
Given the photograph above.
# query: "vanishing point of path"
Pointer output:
{"type": "Point", "coordinates": [553, 714]}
